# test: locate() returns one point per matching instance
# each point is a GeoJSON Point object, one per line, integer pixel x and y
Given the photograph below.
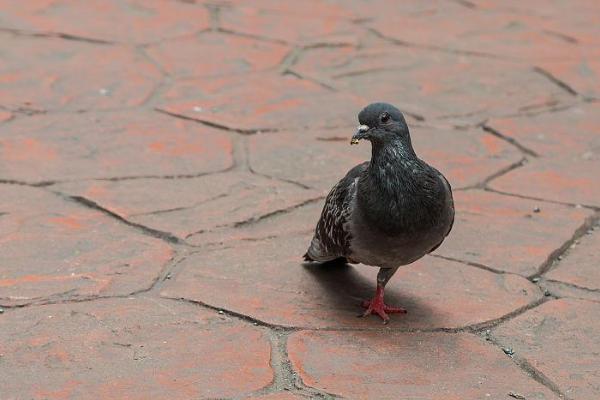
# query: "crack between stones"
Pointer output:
{"type": "Point", "coordinates": [300, 185]}
{"type": "Point", "coordinates": [572, 286]}
{"type": "Point", "coordinates": [560, 35]}
{"type": "Point", "coordinates": [497, 174]}
{"type": "Point", "coordinates": [540, 111]}
{"type": "Point", "coordinates": [510, 140]}
{"type": "Point", "coordinates": [485, 326]}
{"type": "Point", "coordinates": [23, 183]}
{"type": "Point", "coordinates": [251, 36]}
{"type": "Point", "coordinates": [465, 3]}
{"type": "Point", "coordinates": [476, 328]}
{"type": "Point", "coordinates": [282, 330]}
{"type": "Point", "coordinates": [59, 298]}
{"type": "Point", "coordinates": [562, 203]}
{"type": "Point", "coordinates": [530, 370]}
{"type": "Point", "coordinates": [57, 35]}
{"type": "Point", "coordinates": [214, 14]}
{"type": "Point", "coordinates": [298, 75]}
{"type": "Point", "coordinates": [561, 84]}
{"type": "Point", "coordinates": [291, 58]}
{"type": "Point", "coordinates": [63, 298]}
{"type": "Point", "coordinates": [165, 236]}
{"type": "Point", "coordinates": [556, 255]}
{"type": "Point", "coordinates": [477, 265]}
{"type": "Point", "coordinates": [175, 209]}
{"type": "Point", "coordinates": [216, 125]}
{"type": "Point", "coordinates": [285, 378]}
{"type": "Point", "coordinates": [254, 220]}
{"type": "Point", "coordinates": [230, 313]}
{"type": "Point", "coordinates": [434, 48]}
{"type": "Point", "coordinates": [115, 178]}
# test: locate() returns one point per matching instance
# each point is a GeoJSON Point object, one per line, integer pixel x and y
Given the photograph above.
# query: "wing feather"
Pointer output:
{"type": "Point", "coordinates": [331, 239]}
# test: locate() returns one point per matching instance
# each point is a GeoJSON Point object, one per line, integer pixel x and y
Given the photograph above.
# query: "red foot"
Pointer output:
{"type": "Point", "coordinates": [377, 306]}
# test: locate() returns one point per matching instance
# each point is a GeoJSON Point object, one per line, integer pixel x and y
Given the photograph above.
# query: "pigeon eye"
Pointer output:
{"type": "Point", "coordinates": [385, 117]}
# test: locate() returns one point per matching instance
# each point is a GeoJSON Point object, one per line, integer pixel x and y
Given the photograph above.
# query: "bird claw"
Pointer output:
{"type": "Point", "coordinates": [377, 306]}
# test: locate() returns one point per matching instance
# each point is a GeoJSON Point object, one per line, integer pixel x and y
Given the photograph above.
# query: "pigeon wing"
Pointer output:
{"type": "Point", "coordinates": [331, 239]}
{"type": "Point", "coordinates": [450, 201]}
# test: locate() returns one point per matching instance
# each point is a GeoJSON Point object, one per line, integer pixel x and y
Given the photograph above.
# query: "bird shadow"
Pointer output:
{"type": "Point", "coordinates": [345, 288]}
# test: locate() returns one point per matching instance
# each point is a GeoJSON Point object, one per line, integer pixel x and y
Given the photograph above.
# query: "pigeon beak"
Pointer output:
{"type": "Point", "coordinates": [362, 133]}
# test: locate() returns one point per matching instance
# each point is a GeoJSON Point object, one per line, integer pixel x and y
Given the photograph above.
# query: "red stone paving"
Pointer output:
{"type": "Point", "coordinates": [252, 278]}
{"type": "Point", "coordinates": [54, 74]}
{"type": "Point", "coordinates": [560, 340]}
{"type": "Point", "coordinates": [163, 164]}
{"type": "Point", "coordinates": [277, 396]}
{"type": "Point", "coordinates": [567, 179]}
{"type": "Point", "coordinates": [437, 85]}
{"type": "Point", "coordinates": [119, 21]}
{"type": "Point", "coordinates": [506, 233]}
{"type": "Point", "coordinates": [268, 24]}
{"type": "Point", "coordinates": [89, 145]}
{"type": "Point", "coordinates": [573, 131]}
{"type": "Point", "coordinates": [383, 365]}
{"type": "Point", "coordinates": [200, 204]}
{"type": "Point", "coordinates": [583, 75]}
{"type": "Point", "coordinates": [130, 348]}
{"type": "Point", "coordinates": [54, 249]}
{"type": "Point", "coordinates": [580, 268]}
{"type": "Point", "coordinates": [267, 101]}
{"type": "Point", "coordinates": [180, 57]}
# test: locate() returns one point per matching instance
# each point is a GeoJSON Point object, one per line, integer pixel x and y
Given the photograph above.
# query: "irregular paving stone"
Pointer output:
{"type": "Point", "coordinates": [182, 57]}
{"type": "Point", "coordinates": [382, 365]}
{"type": "Point", "coordinates": [108, 20]}
{"type": "Point", "coordinates": [278, 396]}
{"type": "Point", "coordinates": [581, 75]}
{"type": "Point", "coordinates": [186, 206]}
{"type": "Point", "coordinates": [51, 74]}
{"type": "Point", "coordinates": [307, 8]}
{"type": "Point", "coordinates": [580, 265]}
{"type": "Point", "coordinates": [129, 349]}
{"type": "Point", "coordinates": [261, 102]}
{"type": "Point", "coordinates": [573, 21]}
{"type": "Point", "coordinates": [560, 340]}
{"type": "Point", "coordinates": [5, 116]}
{"type": "Point", "coordinates": [523, 36]}
{"type": "Point", "coordinates": [288, 27]}
{"type": "Point", "coordinates": [569, 179]}
{"type": "Point", "coordinates": [560, 289]}
{"type": "Point", "coordinates": [504, 232]}
{"type": "Point", "coordinates": [76, 146]}
{"type": "Point", "coordinates": [299, 220]}
{"type": "Point", "coordinates": [574, 131]}
{"type": "Point", "coordinates": [321, 158]}
{"type": "Point", "coordinates": [85, 253]}
{"type": "Point", "coordinates": [434, 84]}
{"type": "Point", "coordinates": [267, 280]}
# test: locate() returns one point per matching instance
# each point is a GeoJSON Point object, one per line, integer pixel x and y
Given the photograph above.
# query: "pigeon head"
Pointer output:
{"type": "Point", "coordinates": [380, 123]}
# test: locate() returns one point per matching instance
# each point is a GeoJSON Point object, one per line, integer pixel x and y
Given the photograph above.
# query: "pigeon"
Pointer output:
{"type": "Point", "coordinates": [386, 212]}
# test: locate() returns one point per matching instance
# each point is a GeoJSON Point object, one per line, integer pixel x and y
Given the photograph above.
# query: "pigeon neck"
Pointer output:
{"type": "Point", "coordinates": [392, 155]}
{"type": "Point", "coordinates": [394, 168]}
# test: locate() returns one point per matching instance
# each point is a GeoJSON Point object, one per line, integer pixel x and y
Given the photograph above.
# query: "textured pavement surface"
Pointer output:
{"type": "Point", "coordinates": [163, 164]}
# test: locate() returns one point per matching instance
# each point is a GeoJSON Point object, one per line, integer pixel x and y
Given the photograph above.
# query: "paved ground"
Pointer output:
{"type": "Point", "coordinates": [163, 163]}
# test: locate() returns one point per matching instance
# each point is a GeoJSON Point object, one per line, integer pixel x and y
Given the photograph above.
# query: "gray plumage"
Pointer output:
{"type": "Point", "coordinates": [390, 211]}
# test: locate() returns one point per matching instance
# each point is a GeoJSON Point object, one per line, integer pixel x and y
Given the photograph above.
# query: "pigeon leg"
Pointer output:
{"type": "Point", "coordinates": [376, 305]}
